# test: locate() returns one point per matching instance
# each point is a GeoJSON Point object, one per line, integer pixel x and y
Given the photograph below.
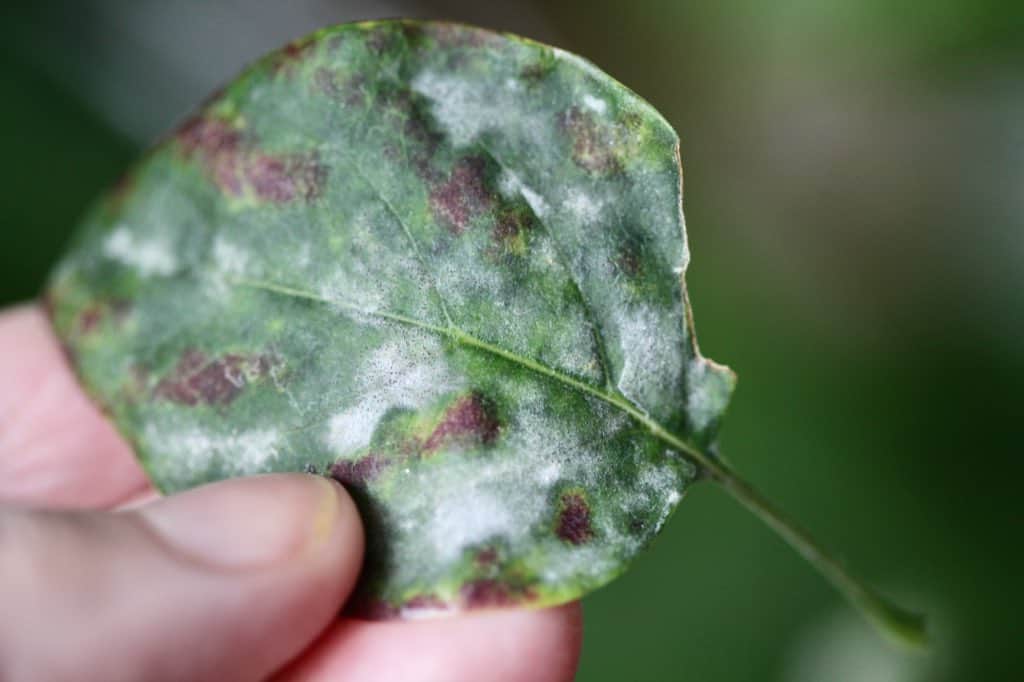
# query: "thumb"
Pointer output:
{"type": "Point", "coordinates": [228, 581]}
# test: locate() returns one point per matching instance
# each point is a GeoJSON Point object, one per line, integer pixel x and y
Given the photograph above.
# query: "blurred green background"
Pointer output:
{"type": "Point", "coordinates": [855, 208]}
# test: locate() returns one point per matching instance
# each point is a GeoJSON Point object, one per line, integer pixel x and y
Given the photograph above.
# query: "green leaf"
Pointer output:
{"type": "Point", "coordinates": [444, 266]}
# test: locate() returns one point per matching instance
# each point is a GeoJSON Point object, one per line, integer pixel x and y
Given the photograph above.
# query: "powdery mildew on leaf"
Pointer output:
{"type": "Point", "coordinates": [439, 264]}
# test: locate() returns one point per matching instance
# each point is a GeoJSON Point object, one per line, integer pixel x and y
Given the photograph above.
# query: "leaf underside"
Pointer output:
{"type": "Point", "coordinates": [440, 264]}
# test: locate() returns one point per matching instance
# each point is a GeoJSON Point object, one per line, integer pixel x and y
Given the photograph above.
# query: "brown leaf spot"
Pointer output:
{"type": "Point", "coordinates": [488, 593]}
{"type": "Point", "coordinates": [472, 417]}
{"type": "Point", "coordinates": [197, 379]}
{"type": "Point", "coordinates": [509, 234]}
{"type": "Point", "coordinates": [593, 146]}
{"type": "Point", "coordinates": [425, 601]}
{"type": "Point", "coordinates": [284, 178]}
{"type": "Point", "coordinates": [358, 472]}
{"type": "Point", "coordinates": [463, 196]}
{"type": "Point", "coordinates": [218, 146]}
{"type": "Point", "coordinates": [288, 57]}
{"type": "Point", "coordinates": [486, 557]}
{"type": "Point", "coordinates": [237, 166]}
{"type": "Point", "coordinates": [574, 519]}
{"type": "Point", "coordinates": [628, 261]}
{"type": "Point", "coordinates": [208, 136]}
{"type": "Point", "coordinates": [90, 318]}
{"type": "Point", "coordinates": [510, 225]}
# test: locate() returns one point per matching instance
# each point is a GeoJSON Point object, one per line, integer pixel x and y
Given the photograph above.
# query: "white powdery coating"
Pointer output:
{"type": "Point", "coordinates": [536, 201]}
{"type": "Point", "coordinates": [571, 347]}
{"type": "Point", "coordinates": [505, 495]}
{"type": "Point", "coordinates": [703, 402]}
{"type": "Point", "coordinates": [549, 473]}
{"type": "Point", "coordinates": [595, 104]}
{"type": "Point", "coordinates": [465, 503]}
{"type": "Point", "coordinates": [409, 371]}
{"type": "Point", "coordinates": [652, 361]}
{"type": "Point", "coordinates": [352, 429]}
{"type": "Point", "coordinates": [460, 284]}
{"type": "Point", "coordinates": [512, 187]}
{"type": "Point", "coordinates": [462, 109]}
{"type": "Point", "coordinates": [583, 206]}
{"type": "Point", "coordinates": [194, 449]}
{"type": "Point", "coordinates": [660, 484]}
{"type": "Point", "coordinates": [229, 258]}
{"type": "Point", "coordinates": [148, 255]}
{"type": "Point", "coordinates": [371, 278]}
{"type": "Point", "coordinates": [469, 514]}
{"type": "Point", "coordinates": [590, 560]}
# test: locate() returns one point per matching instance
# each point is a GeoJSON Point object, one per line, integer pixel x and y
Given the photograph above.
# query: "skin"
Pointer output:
{"type": "Point", "coordinates": [198, 585]}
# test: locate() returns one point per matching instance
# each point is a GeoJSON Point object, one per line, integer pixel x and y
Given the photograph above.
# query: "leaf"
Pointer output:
{"type": "Point", "coordinates": [441, 264]}
{"type": "Point", "coordinates": [444, 266]}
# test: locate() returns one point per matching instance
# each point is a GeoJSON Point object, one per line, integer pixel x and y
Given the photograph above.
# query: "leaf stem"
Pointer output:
{"type": "Point", "coordinates": [895, 623]}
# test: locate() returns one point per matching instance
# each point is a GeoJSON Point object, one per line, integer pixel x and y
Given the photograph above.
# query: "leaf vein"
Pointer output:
{"type": "Point", "coordinates": [461, 337]}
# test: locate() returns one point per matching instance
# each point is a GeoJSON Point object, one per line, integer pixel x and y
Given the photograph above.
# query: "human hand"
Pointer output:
{"type": "Point", "coordinates": [238, 580]}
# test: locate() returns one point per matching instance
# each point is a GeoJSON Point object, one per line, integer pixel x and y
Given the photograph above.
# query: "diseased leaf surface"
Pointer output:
{"type": "Point", "coordinates": [440, 264]}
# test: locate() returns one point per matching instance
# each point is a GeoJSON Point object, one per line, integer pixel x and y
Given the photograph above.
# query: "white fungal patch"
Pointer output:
{"type": "Point", "coordinates": [409, 372]}
{"type": "Point", "coordinates": [194, 449]}
{"type": "Point", "coordinates": [469, 513]}
{"type": "Point", "coordinates": [373, 276]}
{"type": "Point", "coordinates": [229, 258]}
{"type": "Point", "coordinates": [583, 206]}
{"type": "Point", "coordinates": [536, 202]}
{"type": "Point", "coordinates": [505, 495]}
{"type": "Point", "coordinates": [511, 187]}
{"type": "Point", "coordinates": [352, 429]}
{"type": "Point", "coordinates": [464, 111]}
{"type": "Point", "coordinates": [571, 345]}
{"type": "Point", "coordinates": [660, 484]}
{"type": "Point", "coordinates": [460, 284]}
{"type": "Point", "coordinates": [149, 255]}
{"type": "Point", "coordinates": [468, 502]}
{"type": "Point", "coordinates": [652, 360]}
{"type": "Point", "coordinates": [581, 561]}
{"type": "Point", "coordinates": [595, 104]}
{"type": "Point", "coordinates": [706, 398]}
{"type": "Point", "coordinates": [549, 473]}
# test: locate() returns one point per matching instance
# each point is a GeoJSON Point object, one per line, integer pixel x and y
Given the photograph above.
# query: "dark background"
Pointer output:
{"type": "Point", "coordinates": [854, 202]}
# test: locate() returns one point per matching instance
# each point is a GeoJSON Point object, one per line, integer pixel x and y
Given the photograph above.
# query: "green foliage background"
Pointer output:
{"type": "Point", "coordinates": [853, 185]}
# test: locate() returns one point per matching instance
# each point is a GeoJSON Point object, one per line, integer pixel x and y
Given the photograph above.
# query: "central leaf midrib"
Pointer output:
{"type": "Point", "coordinates": [464, 338]}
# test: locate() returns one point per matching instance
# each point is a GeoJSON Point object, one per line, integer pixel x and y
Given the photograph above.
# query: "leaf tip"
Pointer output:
{"type": "Point", "coordinates": [901, 627]}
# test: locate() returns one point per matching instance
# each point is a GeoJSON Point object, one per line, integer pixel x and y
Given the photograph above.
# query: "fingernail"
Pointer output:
{"type": "Point", "coordinates": [248, 522]}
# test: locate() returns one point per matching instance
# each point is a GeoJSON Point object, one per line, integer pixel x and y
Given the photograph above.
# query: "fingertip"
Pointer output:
{"type": "Point", "coordinates": [263, 521]}
{"type": "Point", "coordinates": [273, 556]}
{"type": "Point", "coordinates": [500, 645]}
